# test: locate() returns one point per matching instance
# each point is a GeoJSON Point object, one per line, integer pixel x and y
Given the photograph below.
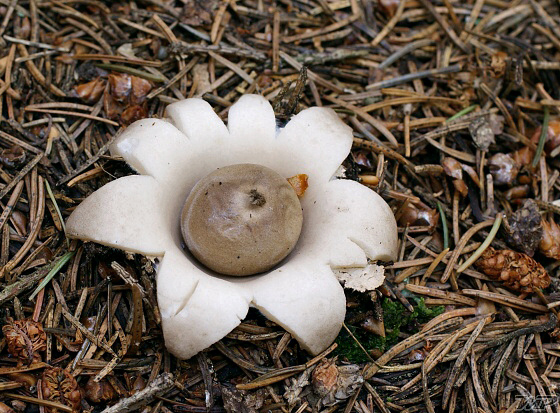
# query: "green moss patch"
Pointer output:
{"type": "Point", "coordinates": [396, 319]}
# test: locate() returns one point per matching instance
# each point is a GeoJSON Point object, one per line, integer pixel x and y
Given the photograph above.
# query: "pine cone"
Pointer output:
{"type": "Point", "coordinates": [60, 386]}
{"type": "Point", "coordinates": [518, 271]}
{"type": "Point", "coordinates": [550, 242]}
{"type": "Point", "coordinates": [25, 339]}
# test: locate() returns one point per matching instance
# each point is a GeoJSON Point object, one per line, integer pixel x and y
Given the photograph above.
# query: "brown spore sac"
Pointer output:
{"type": "Point", "coordinates": [241, 219]}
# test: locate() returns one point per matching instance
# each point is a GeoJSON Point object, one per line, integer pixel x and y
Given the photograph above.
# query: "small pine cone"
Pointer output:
{"type": "Point", "coordinates": [524, 228]}
{"type": "Point", "coordinates": [516, 270]}
{"type": "Point", "coordinates": [60, 386]}
{"type": "Point", "coordinates": [25, 339]}
{"type": "Point", "coordinates": [550, 242]}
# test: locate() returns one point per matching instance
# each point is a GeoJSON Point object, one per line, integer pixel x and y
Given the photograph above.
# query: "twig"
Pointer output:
{"type": "Point", "coordinates": [89, 162]}
{"type": "Point", "coordinates": [405, 79]}
{"type": "Point", "coordinates": [542, 138]}
{"type": "Point", "coordinates": [161, 385]}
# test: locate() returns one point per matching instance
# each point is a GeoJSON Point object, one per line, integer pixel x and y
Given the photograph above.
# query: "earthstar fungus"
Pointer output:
{"type": "Point", "coordinates": [345, 225]}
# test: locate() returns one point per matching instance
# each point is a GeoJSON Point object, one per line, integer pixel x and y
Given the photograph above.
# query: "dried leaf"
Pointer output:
{"type": "Point", "coordinates": [23, 31]}
{"type": "Point", "coordinates": [120, 85]}
{"type": "Point", "coordinates": [99, 392]}
{"type": "Point", "coordinates": [27, 379]}
{"type": "Point", "coordinates": [389, 7]}
{"type": "Point", "coordinates": [112, 108]}
{"type": "Point", "coordinates": [412, 215]}
{"type": "Point", "coordinates": [552, 139]}
{"type": "Point", "coordinates": [140, 89]}
{"type": "Point", "coordinates": [417, 355]}
{"type": "Point", "coordinates": [496, 123]}
{"type": "Point", "coordinates": [362, 158]}
{"type": "Point", "coordinates": [89, 92]}
{"type": "Point", "coordinates": [132, 114]}
{"type": "Point", "coordinates": [299, 183]}
{"type": "Point", "coordinates": [125, 100]}
{"type": "Point", "coordinates": [138, 385]}
{"type": "Point", "coordinates": [202, 74]}
{"type": "Point", "coordinates": [374, 326]}
{"type": "Point", "coordinates": [19, 219]}
{"type": "Point", "coordinates": [523, 156]}
{"type": "Point", "coordinates": [471, 173]}
{"type": "Point", "coordinates": [72, 346]}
